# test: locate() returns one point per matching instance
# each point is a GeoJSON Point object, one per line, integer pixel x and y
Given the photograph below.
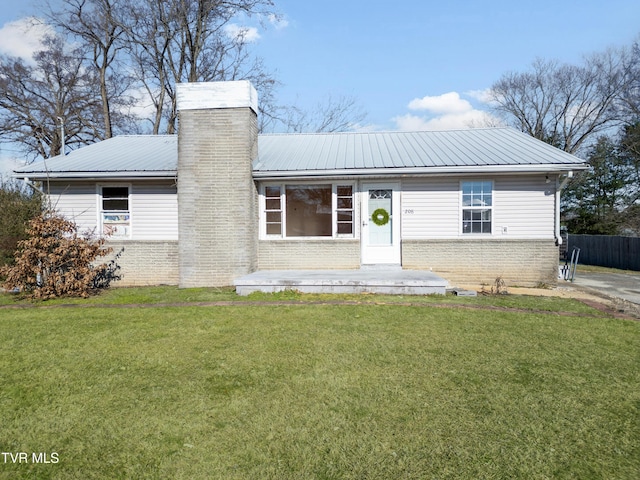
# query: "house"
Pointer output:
{"type": "Point", "coordinates": [218, 201]}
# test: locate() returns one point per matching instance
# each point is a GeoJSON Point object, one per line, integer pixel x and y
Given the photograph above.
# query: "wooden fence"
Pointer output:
{"type": "Point", "coordinates": [607, 251]}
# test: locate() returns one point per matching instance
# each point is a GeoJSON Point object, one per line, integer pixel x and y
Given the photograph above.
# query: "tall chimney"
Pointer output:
{"type": "Point", "coordinates": [217, 198]}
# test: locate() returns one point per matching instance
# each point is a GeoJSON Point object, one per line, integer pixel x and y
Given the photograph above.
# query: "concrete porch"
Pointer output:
{"type": "Point", "coordinates": [388, 280]}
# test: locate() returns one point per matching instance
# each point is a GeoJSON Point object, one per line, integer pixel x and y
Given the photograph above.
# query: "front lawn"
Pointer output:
{"type": "Point", "coordinates": [319, 391]}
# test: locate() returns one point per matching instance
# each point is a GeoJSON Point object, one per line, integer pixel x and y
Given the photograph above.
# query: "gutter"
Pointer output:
{"type": "Point", "coordinates": [412, 171]}
{"type": "Point", "coordinates": [123, 175]}
{"type": "Point", "coordinates": [559, 187]}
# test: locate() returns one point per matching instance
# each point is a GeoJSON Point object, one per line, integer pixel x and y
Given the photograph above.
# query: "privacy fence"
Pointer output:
{"type": "Point", "coordinates": [607, 251]}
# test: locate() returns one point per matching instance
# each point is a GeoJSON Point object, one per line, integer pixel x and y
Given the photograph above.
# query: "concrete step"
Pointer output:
{"type": "Point", "coordinates": [393, 281]}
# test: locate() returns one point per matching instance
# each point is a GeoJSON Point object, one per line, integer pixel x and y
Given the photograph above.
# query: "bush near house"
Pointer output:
{"type": "Point", "coordinates": [57, 261]}
{"type": "Point", "coordinates": [18, 206]}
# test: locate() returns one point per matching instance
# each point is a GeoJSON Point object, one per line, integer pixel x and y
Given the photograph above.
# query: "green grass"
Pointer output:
{"type": "Point", "coordinates": [134, 295]}
{"type": "Point", "coordinates": [289, 391]}
{"type": "Point", "coordinates": [163, 295]}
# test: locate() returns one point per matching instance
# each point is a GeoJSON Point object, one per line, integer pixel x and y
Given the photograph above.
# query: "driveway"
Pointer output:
{"type": "Point", "coordinates": [620, 285]}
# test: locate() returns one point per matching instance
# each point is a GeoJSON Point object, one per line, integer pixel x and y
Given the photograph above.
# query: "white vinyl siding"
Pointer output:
{"type": "Point", "coordinates": [430, 208]}
{"type": "Point", "coordinates": [154, 210]}
{"type": "Point", "coordinates": [153, 207]}
{"type": "Point", "coordinates": [76, 202]}
{"type": "Point", "coordinates": [525, 205]}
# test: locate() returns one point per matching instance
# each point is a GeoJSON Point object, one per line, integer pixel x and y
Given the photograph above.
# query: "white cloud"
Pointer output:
{"type": "Point", "coordinates": [483, 96]}
{"type": "Point", "coordinates": [448, 111]}
{"type": "Point", "coordinates": [410, 123]}
{"type": "Point", "coordinates": [441, 104]}
{"type": "Point", "coordinates": [239, 32]}
{"type": "Point", "coordinates": [278, 21]}
{"type": "Point", "coordinates": [7, 164]}
{"type": "Point", "coordinates": [22, 38]}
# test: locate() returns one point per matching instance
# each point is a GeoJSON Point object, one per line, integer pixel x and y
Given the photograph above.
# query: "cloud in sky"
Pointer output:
{"type": "Point", "coordinates": [279, 22]}
{"type": "Point", "coordinates": [7, 164]}
{"type": "Point", "coordinates": [248, 34]}
{"type": "Point", "coordinates": [483, 96]}
{"type": "Point", "coordinates": [448, 111]}
{"type": "Point", "coordinates": [22, 38]}
{"type": "Point", "coordinates": [447, 103]}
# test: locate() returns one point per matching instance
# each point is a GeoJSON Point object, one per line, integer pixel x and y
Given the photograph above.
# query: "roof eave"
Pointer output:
{"type": "Point", "coordinates": [124, 175]}
{"type": "Point", "coordinates": [420, 171]}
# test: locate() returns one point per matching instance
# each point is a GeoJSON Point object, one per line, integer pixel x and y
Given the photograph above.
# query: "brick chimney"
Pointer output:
{"type": "Point", "coordinates": [217, 198]}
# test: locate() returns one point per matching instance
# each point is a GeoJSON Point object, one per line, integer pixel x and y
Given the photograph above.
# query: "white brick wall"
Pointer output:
{"type": "Point", "coordinates": [308, 254]}
{"type": "Point", "coordinates": [474, 261]}
{"type": "Point", "coordinates": [146, 262]}
{"type": "Point", "coordinates": [217, 198]}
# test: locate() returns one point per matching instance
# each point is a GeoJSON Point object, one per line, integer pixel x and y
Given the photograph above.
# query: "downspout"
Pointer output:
{"type": "Point", "coordinates": [559, 187]}
{"type": "Point", "coordinates": [32, 185]}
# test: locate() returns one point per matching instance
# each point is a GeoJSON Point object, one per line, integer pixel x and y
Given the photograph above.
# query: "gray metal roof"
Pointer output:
{"type": "Point", "coordinates": [319, 154]}
{"type": "Point", "coordinates": [122, 156]}
{"type": "Point", "coordinates": [474, 150]}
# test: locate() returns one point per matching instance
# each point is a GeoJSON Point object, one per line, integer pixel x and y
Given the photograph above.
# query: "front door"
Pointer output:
{"type": "Point", "coordinates": [380, 223]}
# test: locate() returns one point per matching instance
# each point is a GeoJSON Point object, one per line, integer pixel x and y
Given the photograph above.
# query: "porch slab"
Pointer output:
{"type": "Point", "coordinates": [393, 281]}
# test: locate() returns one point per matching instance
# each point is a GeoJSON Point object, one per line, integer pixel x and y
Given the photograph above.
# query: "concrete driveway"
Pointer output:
{"type": "Point", "coordinates": [620, 285]}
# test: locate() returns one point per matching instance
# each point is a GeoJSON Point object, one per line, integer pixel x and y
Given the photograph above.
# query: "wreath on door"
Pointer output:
{"type": "Point", "coordinates": [380, 217]}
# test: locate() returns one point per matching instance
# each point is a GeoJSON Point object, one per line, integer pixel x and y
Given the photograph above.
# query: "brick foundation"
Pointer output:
{"type": "Point", "coordinates": [146, 262]}
{"type": "Point", "coordinates": [309, 254]}
{"type": "Point", "coordinates": [475, 262]}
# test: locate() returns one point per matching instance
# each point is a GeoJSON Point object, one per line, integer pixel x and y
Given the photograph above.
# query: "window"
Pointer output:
{"type": "Point", "coordinates": [115, 213]}
{"type": "Point", "coordinates": [273, 210]}
{"type": "Point", "coordinates": [477, 205]}
{"type": "Point", "coordinates": [344, 210]}
{"type": "Point", "coordinates": [308, 210]}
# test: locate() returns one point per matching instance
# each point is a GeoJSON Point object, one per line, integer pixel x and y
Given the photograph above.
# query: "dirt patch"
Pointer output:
{"type": "Point", "coordinates": [617, 307]}
{"type": "Point", "coordinates": [560, 291]}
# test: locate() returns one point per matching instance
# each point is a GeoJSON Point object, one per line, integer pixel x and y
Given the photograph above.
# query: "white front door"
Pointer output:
{"type": "Point", "coordinates": [380, 223]}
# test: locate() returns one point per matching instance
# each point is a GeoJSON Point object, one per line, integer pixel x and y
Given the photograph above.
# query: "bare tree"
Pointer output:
{"type": "Point", "coordinates": [98, 26]}
{"type": "Point", "coordinates": [176, 41]}
{"type": "Point", "coordinates": [136, 52]}
{"type": "Point", "coordinates": [34, 99]}
{"type": "Point", "coordinates": [630, 99]}
{"type": "Point", "coordinates": [564, 105]}
{"type": "Point", "coordinates": [333, 114]}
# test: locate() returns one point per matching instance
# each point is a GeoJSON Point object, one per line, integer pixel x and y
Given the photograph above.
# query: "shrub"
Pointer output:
{"type": "Point", "coordinates": [18, 206]}
{"type": "Point", "coordinates": [56, 261]}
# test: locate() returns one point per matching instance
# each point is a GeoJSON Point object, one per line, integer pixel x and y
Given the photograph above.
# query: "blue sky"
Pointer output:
{"type": "Point", "coordinates": [389, 53]}
{"type": "Point", "coordinates": [415, 64]}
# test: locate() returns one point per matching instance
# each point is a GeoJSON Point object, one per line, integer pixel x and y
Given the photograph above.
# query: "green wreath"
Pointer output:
{"type": "Point", "coordinates": [380, 217]}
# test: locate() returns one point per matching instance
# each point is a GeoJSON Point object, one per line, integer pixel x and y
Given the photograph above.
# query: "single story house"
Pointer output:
{"type": "Point", "coordinates": [218, 200]}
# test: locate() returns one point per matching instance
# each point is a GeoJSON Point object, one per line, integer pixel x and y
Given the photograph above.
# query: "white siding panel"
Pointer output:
{"type": "Point", "coordinates": [154, 208]}
{"type": "Point", "coordinates": [154, 211]}
{"type": "Point", "coordinates": [76, 202]}
{"type": "Point", "coordinates": [525, 205]}
{"type": "Point", "coordinates": [430, 208]}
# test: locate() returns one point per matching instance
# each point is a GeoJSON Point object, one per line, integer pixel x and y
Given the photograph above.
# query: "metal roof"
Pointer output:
{"type": "Point", "coordinates": [473, 150]}
{"type": "Point", "coordinates": [122, 156]}
{"type": "Point", "coordinates": [325, 154]}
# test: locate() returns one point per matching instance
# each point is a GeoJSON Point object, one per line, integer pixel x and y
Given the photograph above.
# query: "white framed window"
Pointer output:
{"type": "Point", "coordinates": [298, 210]}
{"type": "Point", "coordinates": [345, 212]}
{"type": "Point", "coordinates": [273, 209]}
{"type": "Point", "coordinates": [115, 210]}
{"type": "Point", "coordinates": [476, 207]}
